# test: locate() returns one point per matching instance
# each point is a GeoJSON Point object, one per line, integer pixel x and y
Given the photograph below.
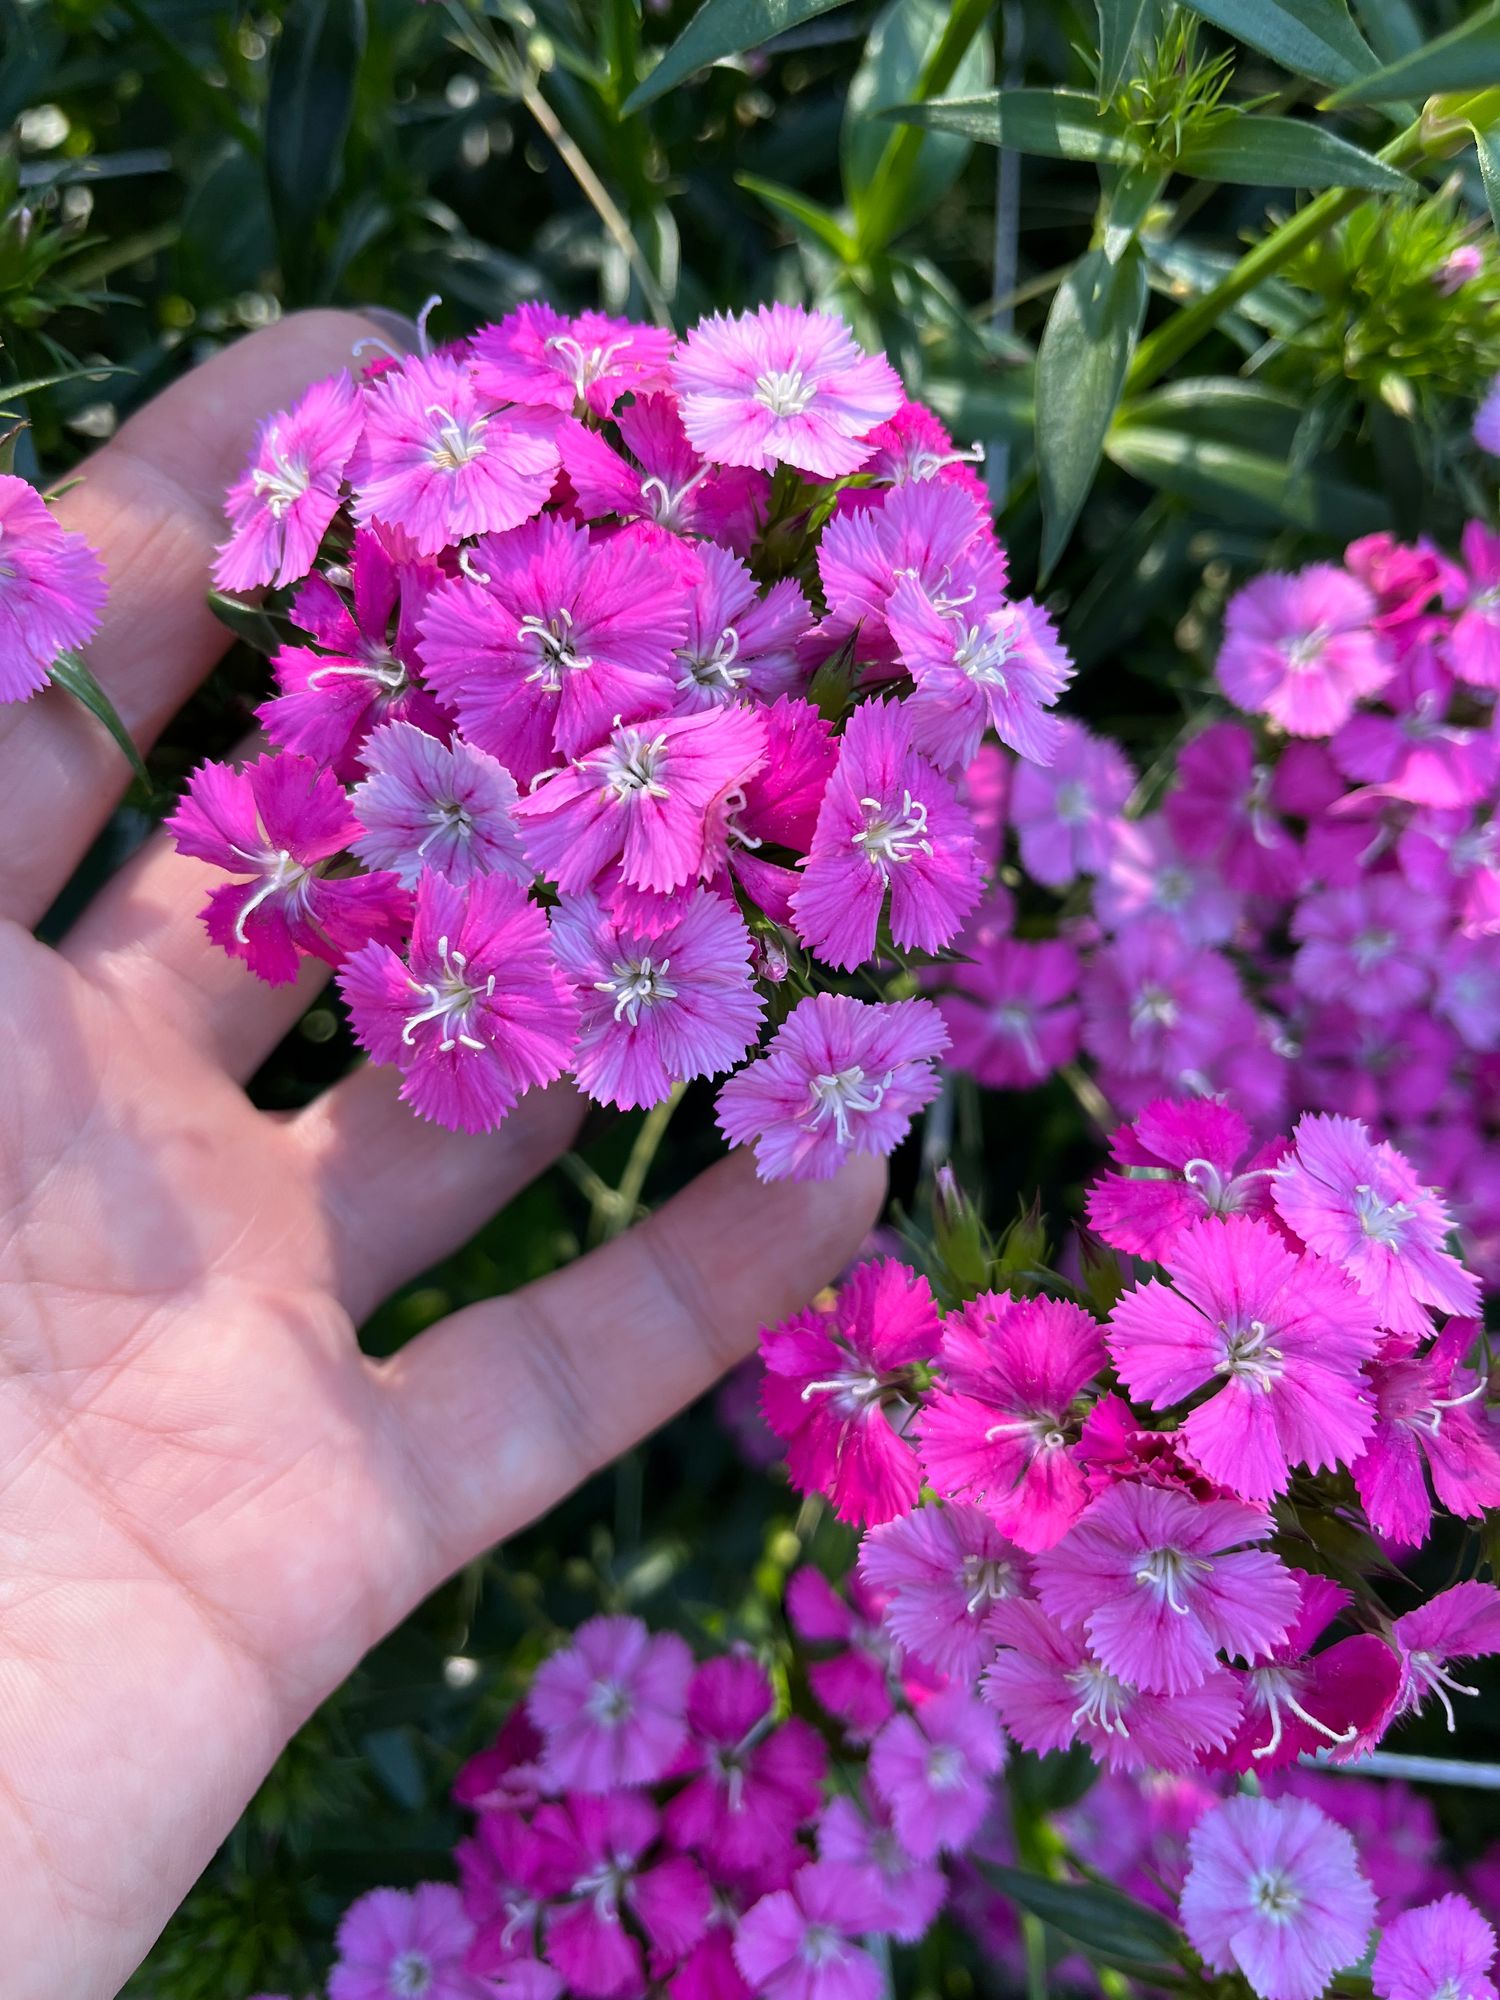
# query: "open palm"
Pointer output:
{"type": "Point", "coordinates": [213, 1503]}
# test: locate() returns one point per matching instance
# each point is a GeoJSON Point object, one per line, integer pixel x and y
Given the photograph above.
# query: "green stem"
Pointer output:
{"type": "Point", "coordinates": [614, 1214]}
{"type": "Point", "coordinates": [1180, 334]}
{"type": "Point", "coordinates": [893, 172]}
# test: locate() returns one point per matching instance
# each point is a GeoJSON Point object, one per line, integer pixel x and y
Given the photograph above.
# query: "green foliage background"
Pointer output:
{"type": "Point", "coordinates": [1174, 267]}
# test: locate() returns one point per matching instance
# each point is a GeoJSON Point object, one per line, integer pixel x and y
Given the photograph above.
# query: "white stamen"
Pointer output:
{"type": "Point", "coordinates": [885, 839]}
{"type": "Point", "coordinates": [585, 365]}
{"type": "Point", "coordinates": [1166, 1571]}
{"type": "Point", "coordinates": [283, 485]}
{"type": "Point", "coordinates": [717, 671]}
{"type": "Point", "coordinates": [285, 879]}
{"type": "Point", "coordinates": [785, 392]}
{"type": "Point", "coordinates": [558, 655]}
{"type": "Point", "coordinates": [456, 444]}
{"type": "Point", "coordinates": [630, 764]}
{"type": "Point", "coordinates": [637, 983]}
{"type": "Point", "coordinates": [837, 1095]}
{"type": "Point", "coordinates": [449, 1001]}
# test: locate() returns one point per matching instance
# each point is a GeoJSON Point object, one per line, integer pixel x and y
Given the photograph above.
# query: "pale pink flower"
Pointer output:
{"type": "Point", "coordinates": [782, 386]}
{"type": "Point", "coordinates": [1146, 875]}
{"type": "Point", "coordinates": [426, 805]}
{"type": "Point", "coordinates": [612, 1707]}
{"type": "Point", "coordinates": [1468, 991]}
{"type": "Point", "coordinates": [799, 1943]}
{"type": "Point", "coordinates": [290, 490]}
{"type": "Point", "coordinates": [1012, 1011]}
{"type": "Point", "coordinates": [1442, 1951]}
{"type": "Point", "coordinates": [1460, 267]}
{"type": "Point", "coordinates": [1063, 813]}
{"type": "Point", "coordinates": [51, 590]}
{"type": "Point", "coordinates": [1371, 945]}
{"type": "Point", "coordinates": [1300, 649]}
{"type": "Point", "coordinates": [933, 1768]}
{"type": "Point", "coordinates": [392, 1945]}
{"type": "Point", "coordinates": [1158, 1008]}
{"type": "Point", "coordinates": [536, 355]}
{"type": "Point", "coordinates": [943, 1571]}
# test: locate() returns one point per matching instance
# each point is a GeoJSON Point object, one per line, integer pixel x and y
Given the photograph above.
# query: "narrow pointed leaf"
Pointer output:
{"type": "Point", "coordinates": [1487, 146]}
{"type": "Point", "coordinates": [1284, 152]}
{"type": "Point", "coordinates": [1122, 26]}
{"type": "Point", "coordinates": [265, 631]}
{"type": "Point", "coordinates": [1108, 1925]}
{"type": "Point", "coordinates": [1240, 484]}
{"type": "Point", "coordinates": [1315, 38]}
{"type": "Point", "coordinates": [722, 28]}
{"type": "Point", "coordinates": [309, 109]}
{"type": "Point", "coordinates": [806, 216]}
{"type": "Point", "coordinates": [1466, 58]}
{"type": "Point", "coordinates": [1059, 124]}
{"type": "Point", "coordinates": [71, 674]}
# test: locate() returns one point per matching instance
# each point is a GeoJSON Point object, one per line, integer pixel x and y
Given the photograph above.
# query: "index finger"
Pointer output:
{"type": "Point", "coordinates": [151, 502]}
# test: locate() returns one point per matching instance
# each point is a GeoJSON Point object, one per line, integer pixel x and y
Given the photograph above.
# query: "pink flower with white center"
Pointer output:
{"type": "Point", "coordinates": [290, 490]}
{"type": "Point", "coordinates": [653, 798]}
{"type": "Point", "coordinates": [555, 635]}
{"type": "Point", "coordinates": [1458, 1624]}
{"type": "Point", "coordinates": [365, 674]}
{"type": "Point", "coordinates": [1300, 649]}
{"type": "Point", "coordinates": [664, 480]}
{"type": "Point", "coordinates": [1275, 1892]}
{"type": "Point", "coordinates": [799, 1943]}
{"type": "Point", "coordinates": [932, 532]}
{"type": "Point", "coordinates": [476, 1013]}
{"type": "Point", "coordinates": [660, 1010]}
{"type": "Point", "coordinates": [1063, 813]}
{"type": "Point", "coordinates": [1473, 649]}
{"type": "Point", "coordinates": [506, 1879]}
{"type": "Point", "coordinates": [1050, 1692]}
{"type": "Point", "coordinates": [758, 1781]}
{"type": "Point", "coordinates": [1487, 421]}
{"type": "Point", "coordinates": [782, 386]}
{"type": "Point", "coordinates": [1360, 1205]}
{"type": "Point", "coordinates": [1298, 1703]}
{"type": "Point", "coordinates": [1371, 945]}
{"type": "Point", "coordinates": [933, 1770]}
{"type": "Point", "coordinates": [943, 1571]}
{"type": "Point", "coordinates": [599, 1878]}
{"type": "Point", "coordinates": [51, 590]}
{"type": "Point", "coordinates": [1222, 809]}
{"type": "Point", "coordinates": [998, 1428]}
{"type": "Point", "coordinates": [1278, 1338]}
{"type": "Point", "coordinates": [839, 1076]}
{"type": "Point", "coordinates": [914, 446]}
{"type": "Point", "coordinates": [979, 667]}
{"type": "Point", "coordinates": [1428, 1422]}
{"type": "Point", "coordinates": [428, 805]}
{"type": "Point", "coordinates": [1468, 991]}
{"type": "Point", "coordinates": [839, 1388]}
{"type": "Point", "coordinates": [1417, 758]}
{"type": "Point", "coordinates": [860, 1835]}
{"type": "Point", "coordinates": [277, 822]}
{"type": "Point", "coordinates": [395, 1946]}
{"type": "Point", "coordinates": [890, 834]}
{"type": "Point", "coordinates": [1157, 1007]}
{"type": "Point", "coordinates": [612, 1707]}
{"type": "Point", "coordinates": [1146, 875]}
{"type": "Point", "coordinates": [1191, 1157]}
{"type": "Point", "coordinates": [535, 355]}
{"type": "Point", "coordinates": [1442, 1951]}
{"type": "Point", "coordinates": [1013, 1012]}
{"type": "Point", "coordinates": [738, 644]}
{"type": "Point", "coordinates": [439, 461]}
{"type": "Point", "coordinates": [1161, 1584]}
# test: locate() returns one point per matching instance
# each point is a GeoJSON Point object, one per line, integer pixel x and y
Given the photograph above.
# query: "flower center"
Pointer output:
{"type": "Point", "coordinates": [1382, 1221]}
{"type": "Point", "coordinates": [1015, 1020]}
{"type": "Point", "coordinates": [984, 649]}
{"type": "Point", "coordinates": [1104, 1701]}
{"type": "Point", "coordinates": [1371, 946]}
{"type": "Point", "coordinates": [1073, 802]}
{"type": "Point", "coordinates": [1273, 1894]}
{"type": "Point", "coordinates": [609, 1703]}
{"type": "Point", "coordinates": [455, 444]}
{"type": "Point", "coordinates": [283, 482]}
{"type": "Point", "coordinates": [785, 392]}
{"type": "Point", "coordinates": [664, 502]}
{"type": "Point", "coordinates": [449, 820]}
{"type": "Point", "coordinates": [1168, 1572]}
{"type": "Point", "coordinates": [1303, 653]}
{"type": "Point", "coordinates": [410, 1975]}
{"type": "Point", "coordinates": [637, 983]}
{"type": "Point", "coordinates": [846, 1090]}
{"type": "Point", "coordinates": [821, 1945]}
{"type": "Point", "coordinates": [284, 877]}
{"type": "Point", "coordinates": [1043, 1429]}
{"type": "Point", "coordinates": [887, 836]}
{"type": "Point", "coordinates": [556, 653]}
{"type": "Point", "coordinates": [945, 1767]}
{"type": "Point", "coordinates": [631, 763]}
{"type": "Point", "coordinates": [716, 671]}
{"type": "Point", "coordinates": [449, 1001]}
{"type": "Point", "coordinates": [1249, 1355]}
{"type": "Point", "coordinates": [583, 366]}
{"type": "Point", "coordinates": [1433, 1677]}
{"type": "Point", "coordinates": [1152, 1007]}
{"type": "Point", "coordinates": [985, 1580]}
{"type": "Point", "coordinates": [1275, 1689]}
{"type": "Point", "coordinates": [925, 463]}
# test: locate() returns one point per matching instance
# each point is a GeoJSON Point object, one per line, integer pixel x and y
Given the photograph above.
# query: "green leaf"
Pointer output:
{"type": "Point", "coordinates": [1466, 58]}
{"type": "Point", "coordinates": [897, 52]}
{"type": "Point", "coordinates": [1487, 146]}
{"type": "Point", "coordinates": [309, 109]}
{"type": "Point", "coordinates": [74, 678]}
{"type": "Point", "coordinates": [807, 217]}
{"type": "Point", "coordinates": [1060, 124]}
{"type": "Point", "coordinates": [1123, 25]}
{"type": "Point", "coordinates": [263, 630]}
{"type": "Point", "coordinates": [1241, 484]}
{"type": "Point", "coordinates": [721, 28]}
{"type": "Point", "coordinates": [1085, 350]}
{"type": "Point", "coordinates": [1284, 152]}
{"type": "Point", "coordinates": [1108, 1925]}
{"type": "Point", "coordinates": [1315, 38]}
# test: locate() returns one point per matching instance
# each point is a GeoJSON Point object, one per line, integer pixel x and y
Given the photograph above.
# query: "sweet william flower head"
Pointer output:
{"type": "Point", "coordinates": [291, 488]}
{"type": "Point", "coordinates": [1274, 1892]}
{"type": "Point", "coordinates": [782, 386]}
{"type": "Point", "coordinates": [51, 590]}
{"type": "Point", "coordinates": [1429, 1422]}
{"type": "Point", "coordinates": [538, 356]}
{"type": "Point", "coordinates": [943, 1571]}
{"type": "Point", "coordinates": [1442, 1951]}
{"type": "Point", "coordinates": [839, 1076]}
{"type": "Point", "coordinates": [1300, 650]}
{"type": "Point", "coordinates": [800, 1943]}
{"type": "Point", "coordinates": [397, 1946]}
{"type": "Point", "coordinates": [1458, 1624]}
{"type": "Point", "coordinates": [612, 1707]}
{"type": "Point", "coordinates": [937, 535]}
{"type": "Point", "coordinates": [432, 805]}
{"type": "Point", "coordinates": [1195, 1153]}
{"type": "Point", "coordinates": [997, 667]}
{"type": "Point", "coordinates": [933, 1770]}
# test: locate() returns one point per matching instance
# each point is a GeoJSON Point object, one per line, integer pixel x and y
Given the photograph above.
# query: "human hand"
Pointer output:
{"type": "Point", "coordinates": [213, 1503]}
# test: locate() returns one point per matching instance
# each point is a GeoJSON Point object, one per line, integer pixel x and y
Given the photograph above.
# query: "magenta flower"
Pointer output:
{"type": "Point", "coordinates": [663, 480]}
{"type": "Point", "coordinates": [782, 386]}
{"type": "Point", "coordinates": [1443, 1949]}
{"type": "Point", "coordinates": [1275, 1892]}
{"type": "Point", "coordinates": [1050, 1692]}
{"type": "Point", "coordinates": [1458, 1624]}
{"type": "Point", "coordinates": [1162, 1583]}
{"type": "Point", "coordinates": [1222, 809]}
{"type": "Point", "coordinates": [1279, 1339]}
{"type": "Point", "coordinates": [839, 1388]}
{"type": "Point", "coordinates": [933, 1769]}
{"type": "Point", "coordinates": [1427, 1423]}
{"type": "Point", "coordinates": [1012, 1012]}
{"type": "Point", "coordinates": [860, 1835]}
{"type": "Point", "coordinates": [936, 534]}
{"type": "Point", "coordinates": [1417, 758]}
{"type": "Point", "coordinates": [392, 1945]}
{"type": "Point", "coordinates": [1191, 1159]}
{"type": "Point", "coordinates": [476, 1013]}
{"type": "Point", "coordinates": [798, 1943]}
{"type": "Point", "coordinates": [277, 822]}
{"type": "Point", "coordinates": [1487, 421]}
{"type": "Point", "coordinates": [441, 463]}
{"type": "Point", "coordinates": [999, 668]}
{"type": "Point", "coordinates": [1474, 640]}
{"type": "Point", "coordinates": [1157, 1008]}
{"type": "Point", "coordinates": [839, 1076]}
{"type": "Point", "coordinates": [290, 490]}
{"type": "Point", "coordinates": [1300, 649]}
{"type": "Point", "coordinates": [554, 636]}
{"type": "Point", "coordinates": [855, 1684]}
{"type": "Point", "coordinates": [658, 1010]}
{"type": "Point", "coordinates": [51, 590]}
{"type": "Point", "coordinates": [1371, 946]}
{"type": "Point", "coordinates": [1468, 991]}
{"type": "Point", "coordinates": [738, 643]}
{"type": "Point", "coordinates": [998, 1428]}
{"type": "Point", "coordinates": [428, 805]}
{"type": "Point", "coordinates": [890, 827]}
{"type": "Point", "coordinates": [1063, 812]}
{"type": "Point", "coordinates": [943, 1572]}
{"type": "Point", "coordinates": [1360, 1205]}
{"type": "Point", "coordinates": [653, 798]}
{"type": "Point", "coordinates": [1145, 875]}
{"type": "Point", "coordinates": [534, 355]}
{"type": "Point", "coordinates": [604, 1885]}
{"type": "Point", "coordinates": [612, 1707]}
{"type": "Point", "coordinates": [758, 1781]}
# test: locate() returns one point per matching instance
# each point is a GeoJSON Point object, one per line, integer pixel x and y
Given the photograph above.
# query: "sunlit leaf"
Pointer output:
{"type": "Point", "coordinates": [71, 674]}
{"type": "Point", "coordinates": [1284, 152]}
{"type": "Point", "coordinates": [722, 28]}
{"type": "Point", "coordinates": [1466, 58]}
{"type": "Point", "coordinates": [899, 47]}
{"type": "Point", "coordinates": [1240, 484]}
{"type": "Point", "coordinates": [1061, 124]}
{"type": "Point", "coordinates": [1123, 27]}
{"type": "Point", "coordinates": [1315, 38]}
{"type": "Point", "coordinates": [1108, 1925]}
{"type": "Point", "coordinates": [806, 216]}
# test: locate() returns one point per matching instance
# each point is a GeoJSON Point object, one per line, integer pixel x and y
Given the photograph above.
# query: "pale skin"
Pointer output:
{"type": "Point", "coordinates": [211, 1503]}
